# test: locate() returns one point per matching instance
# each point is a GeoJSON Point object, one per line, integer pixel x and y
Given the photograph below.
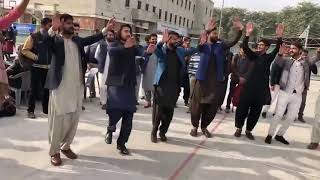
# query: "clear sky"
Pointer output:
{"type": "Point", "coordinates": [261, 5]}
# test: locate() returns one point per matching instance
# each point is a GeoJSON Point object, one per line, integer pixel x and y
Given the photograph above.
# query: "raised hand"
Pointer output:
{"type": "Point", "coordinates": [280, 30]}
{"type": "Point", "coordinates": [211, 24]}
{"type": "Point", "coordinates": [237, 24]}
{"type": "Point", "coordinates": [151, 48]}
{"type": "Point", "coordinates": [56, 22]}
{"type": "Point", "coordinates": [249, 29]}
{"type": "Point", "coordinates": [165, 36]}
{"type": "Point", "coordinates": [111, 24]}
{"type": "Point", "coordinates": [282, 49]}
{"type": "Point", "coordinates": [318, 50]}
{"type": "Point", "coordinates": [131, 42]}
{"type": "Point", "coordinates": [203, 38]}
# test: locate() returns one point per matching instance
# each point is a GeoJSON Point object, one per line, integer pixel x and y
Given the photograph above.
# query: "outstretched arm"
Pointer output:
{"type": "Point", "coordinates": [13, 15]}
{"type": "Point", "coordinates": [236, 25]}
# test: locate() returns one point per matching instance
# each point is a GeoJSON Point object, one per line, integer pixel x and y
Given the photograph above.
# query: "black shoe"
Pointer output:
{"type": "Point", "coordinates": [31, 115]}
{"type": "Point", "coordinates": [45, 112]}
{"type": "Point", "coordinates": [264, 114]}
{"type": "Point", "coordinates": [104, 107]}
{"type": "Point", "coordinates": [83, 108]}
{"type": "Point", "coordinates": [282, 140]}
{"type": "Point", "coordinates": [123, 150]}
{"type": "Point", "coordinates": [238, 133]}
{"type": "Point", "coordinates": [154, 137]}
{"type": "Point", "coordinates": [268, 139]}
{"type": "Point", "coordinates": [301, 120]}
{"type": "Point", "coordinates": [206, 133]}
{"type": "Point", "coordinates": [194, 132]}
{"type": "Point", "coordinates": [186, 104]}
{"type": "Point", "coordinates": [108, 138]}
{"type": "Point", "coordinates": [249, 135]}
{"type": "Point", "coordinates": [227, 110]}
{"type": "Point", "coordinates": [163, 137]}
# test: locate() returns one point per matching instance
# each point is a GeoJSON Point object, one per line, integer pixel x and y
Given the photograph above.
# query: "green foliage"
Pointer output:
{"type": "Point", "coordinates": [296, 20]}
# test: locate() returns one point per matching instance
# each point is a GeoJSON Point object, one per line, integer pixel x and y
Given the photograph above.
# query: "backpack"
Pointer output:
{"type": "Point", "coordinates": [8, 108]}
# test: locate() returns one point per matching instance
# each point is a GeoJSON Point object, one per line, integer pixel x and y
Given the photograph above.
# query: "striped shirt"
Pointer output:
{"type": "Point", "coordinates": [194, 63]}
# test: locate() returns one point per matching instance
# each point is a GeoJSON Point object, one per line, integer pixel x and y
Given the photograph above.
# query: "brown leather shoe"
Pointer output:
{"type": "Point", "coordinates": [69, 154]}
{"type": "Point", "coordinates": [56, 160]}
{"type": "Point", "coordinates": [313, 146]}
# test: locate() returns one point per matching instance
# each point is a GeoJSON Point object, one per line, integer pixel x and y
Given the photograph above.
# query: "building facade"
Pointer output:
{"type": "Point", "coordinates": [187, 17]}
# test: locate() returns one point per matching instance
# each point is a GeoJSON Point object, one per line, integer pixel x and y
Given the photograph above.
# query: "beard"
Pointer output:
{"type": "Point", "coordinates": [213, 39]}
{"type": "Point", "coordinates": [110, 39]}
{"type": "Point", "coordinates": [69, 31]}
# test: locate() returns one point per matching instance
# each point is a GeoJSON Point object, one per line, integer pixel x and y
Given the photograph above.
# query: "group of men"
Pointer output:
{"type": "Point", "coordinates": [60, 63]}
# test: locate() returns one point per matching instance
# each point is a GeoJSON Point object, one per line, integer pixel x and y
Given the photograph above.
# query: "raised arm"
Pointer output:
{"type": "Point", "coordinates": [27, 47]}
{"type": "Point", "coordinates": [239, 27]}
{"type": "Point", "coordinates": [13, 15]}
{"type": "Point", "coordinates": [93, 39]}
{"type": "Point", "coordinates": [279, 33]}
{"type": "Point", "coordinates": [251, 55]}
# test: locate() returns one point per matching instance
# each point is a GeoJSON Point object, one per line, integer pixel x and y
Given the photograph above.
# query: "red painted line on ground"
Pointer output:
{"type": "Point", "coordinates": [178, 171]}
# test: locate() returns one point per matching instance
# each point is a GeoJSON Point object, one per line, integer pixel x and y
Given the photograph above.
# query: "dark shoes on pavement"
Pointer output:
{"type": "Point", "coordinates": [163, 137]}
{"type": "Point", "coordinates": [194, 132]}
{"type": "Point", "coordinates": [238, 133]}
{"type": "Point", "coordinates": [268, 139]}
{"type": "Point", "coordinates": [56, 160]}
{"type": "Point", "coordinates": [282, 140]}
{"type": "Point", "coordinates": [69, 154]}
{"type": "Point", "coordinates": [31, 115]}
{"type": "Point", "coordinates": [313, 146]}
{"type": "Point", "coordinates": [206, 133]}
{"type": "Point", "coordinates": [108, 138]}
{"type": "Point", "coordinates": [301, 120]}
{"type": "Point", "coordinates": [264, 115]}
{"type": "Point", "coordinates": [104, 107]}
{"type": "Point", "coordinates": [154, 137]}
{"type": "Point", "coordinates": [123, 150]}
{"type": "Point", "coordinates": [249, 135]}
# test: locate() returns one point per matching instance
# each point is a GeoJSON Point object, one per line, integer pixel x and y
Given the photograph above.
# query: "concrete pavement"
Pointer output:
{"type": "Point", "coordinates": [24, 150]}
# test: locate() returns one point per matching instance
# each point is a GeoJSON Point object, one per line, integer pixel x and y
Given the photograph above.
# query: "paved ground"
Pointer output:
{"type": "Point", "coordinates": [24, 151]}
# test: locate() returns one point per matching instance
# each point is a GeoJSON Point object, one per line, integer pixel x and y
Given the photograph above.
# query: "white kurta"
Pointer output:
{"type": "Point", "coordinates": [66, 101]}
{"type": "Point", "coordinates": [67, 98]}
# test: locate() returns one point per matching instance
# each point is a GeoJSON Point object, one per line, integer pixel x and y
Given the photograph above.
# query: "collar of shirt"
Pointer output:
{"type": "Point", "coordinates": [299, 59]}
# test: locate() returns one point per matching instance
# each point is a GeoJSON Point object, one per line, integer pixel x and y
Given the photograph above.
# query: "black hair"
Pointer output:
{"type": "Point", "coordinates": [65, 17]}
{"type": "Point", "coordinates": [75, 24]}
{"type": "Point", "coordinates": [306, 51]}
{"type": "Point", "coordinates": [153, 35]}
{"type": "Point", "coordinates": [46, 21]}
{"type": "Point", "coordinates": [174, 33]}
{"type": "Point", "coordinates": [241, 46]}
{"type": "Point", "coordinates": [121, 28]}
{"type": "Point", "coordinates": [297, 44]}
{"type": "Point", "coordinates": [186, 38]}
{"type": "Point", "coordinates": [265, 42]}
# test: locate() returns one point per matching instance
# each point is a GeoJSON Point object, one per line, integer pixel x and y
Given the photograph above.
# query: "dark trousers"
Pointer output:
{"type": "Point", "coordinates": [161, 115]}
{"type": "Point", "coordinates": [222, 92]}
{"type": "Point", "coordinates": [303, 103]}
{"type": "Point", "coordinates": [126, 126]}
{"type": "Point", "coordinates": [233, 85]}
{"type": "Point", "coordinates": [205, 112]}
{"type": "Point", "coordinates": [38, 80]}
{"type": "Point", "coordinates": [249, 108]}
{"type": "Point", "coordinates": [186, 89]}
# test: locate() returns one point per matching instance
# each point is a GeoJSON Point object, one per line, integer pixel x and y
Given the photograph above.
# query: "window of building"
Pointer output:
{"type": "Point", "coordinates": [154, 9]}
{"type": "Point", "coordinates": [160, 13]}
{"type": "Point", "coordinates": [139, 4]}
{"type": "Point", "coordinates": [189, 5]}
{"type": "Point", "coordinates": [185, 4]}
{"type": "Point", "coordinates": [194, 8]}
{"type": "Point", "coordinates": [166, 16]}
{"type": "Point", "coordinates": [170, 17]}
{"type": "Point", "coordinates": [175, 19]}
{"type": "Point", "coordinates": [184, 21]}
{"type": "Point", "coordinates": [172, 1]}
{"type": "Point", "coordinates": [147, 7]}
{"type": "Point", "coordinates": [210, 12]}
{"type": "Point", "coordinates": [127, 4]}
{"type": "Point", "coordinates": [180, 18]}
{"type": "Point", "coordinates": [187, 23]}
{"type": "Point", "coordinates": [206, 10]}
{"type": "Point", "coordinates": [177, 2]}
{"type": "Point", "coordinates": [181, 3]}
{"type": "Point", "coordinates": [192, 25]}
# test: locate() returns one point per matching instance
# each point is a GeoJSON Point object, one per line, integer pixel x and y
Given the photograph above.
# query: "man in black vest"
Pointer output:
{"type": "Point", "coordinates": [36, 48]}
